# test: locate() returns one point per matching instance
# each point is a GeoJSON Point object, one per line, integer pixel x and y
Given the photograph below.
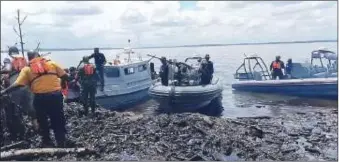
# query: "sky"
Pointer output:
{"type": "Point", "coordinates": [87, 24]}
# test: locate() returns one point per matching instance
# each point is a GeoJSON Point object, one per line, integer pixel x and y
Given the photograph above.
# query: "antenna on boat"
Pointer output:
{"type": "Point", "coordinates": [130, 50]}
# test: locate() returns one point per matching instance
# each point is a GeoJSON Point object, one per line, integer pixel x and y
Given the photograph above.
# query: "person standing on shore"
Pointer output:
{"type": "Point", "coordinates": [42, 76]}
{"type": "Point", "coordinates": [100, 61]}
{"type": "Point", "coordinates": [22, 96]}
{"type": "Point", "coordinates": [88, 79]}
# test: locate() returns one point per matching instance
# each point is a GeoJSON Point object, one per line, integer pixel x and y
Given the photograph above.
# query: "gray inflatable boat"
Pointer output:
{"type": "Point", "coordinates": [185, 98]}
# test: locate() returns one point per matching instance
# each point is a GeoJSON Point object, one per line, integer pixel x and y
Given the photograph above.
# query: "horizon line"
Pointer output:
{"type": "Point", "coordinates": [178, 46]}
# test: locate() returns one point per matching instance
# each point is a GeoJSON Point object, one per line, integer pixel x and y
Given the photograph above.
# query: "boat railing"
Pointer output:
{"type": "Point", "coordinates": [249, 72]}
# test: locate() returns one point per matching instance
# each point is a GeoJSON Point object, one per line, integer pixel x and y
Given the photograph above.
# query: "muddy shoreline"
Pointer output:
{"type": "Point", "coordinates": [190, 136]}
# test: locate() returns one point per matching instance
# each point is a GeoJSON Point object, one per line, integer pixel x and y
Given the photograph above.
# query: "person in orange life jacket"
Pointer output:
{"type": "Point", "coordinates": [88, 79]}
{"type": "Point", "coordinates": [22, 96]}
{"type": "Point", "coordinates": [43, 77]}
{"type": "Point", "coordinates": [276, 68]}
{"type": "Point", "coordinates": [100, 61]}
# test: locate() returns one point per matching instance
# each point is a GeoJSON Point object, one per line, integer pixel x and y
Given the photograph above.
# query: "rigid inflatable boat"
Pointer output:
{"type": "Point", "coordinates": [185, 98]}
{"type": "Point", "coordinates": [188, 97]}
{"type": "Point", "coordinates": [325, 88]}
{"type": "Point", "coordinates": [258, 79]}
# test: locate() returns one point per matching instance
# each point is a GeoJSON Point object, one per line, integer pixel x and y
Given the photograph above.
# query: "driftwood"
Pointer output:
{"type": "Point", "coordinates": [16, 154]}
{"type": "Point", "coordinates": [14, 145]}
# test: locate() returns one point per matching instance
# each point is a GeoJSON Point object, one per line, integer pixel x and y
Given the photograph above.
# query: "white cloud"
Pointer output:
{"type": "Point", "coordinates": [103, 23]}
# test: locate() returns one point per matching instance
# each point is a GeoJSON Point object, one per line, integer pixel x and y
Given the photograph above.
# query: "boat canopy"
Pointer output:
{"type": "Point", "coordinates": [324, 54]}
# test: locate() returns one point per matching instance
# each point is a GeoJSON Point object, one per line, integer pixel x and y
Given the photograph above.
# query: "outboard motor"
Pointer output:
{"type": "Point", "coordinates": [153, 73]}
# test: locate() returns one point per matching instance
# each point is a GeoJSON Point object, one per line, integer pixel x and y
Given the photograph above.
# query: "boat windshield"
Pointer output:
{"type": "Point", "coordinates": [112, 72]}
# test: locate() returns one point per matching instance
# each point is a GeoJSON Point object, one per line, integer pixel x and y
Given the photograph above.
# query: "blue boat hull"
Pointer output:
{"type": "Point", "coordinates": [122, 102]}
{"type": "Point", "coordinates": [301, 89]}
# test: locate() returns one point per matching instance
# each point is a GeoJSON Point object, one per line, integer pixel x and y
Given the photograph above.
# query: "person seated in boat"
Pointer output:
{"type": "Point", "coordinates": [289, 69]}
{"type": "Point", "coordinates": [164, 71]}
{"type": "Point", "coordinates": [206, 69]}
{"type": "Point", "coordinates": [276, 68]}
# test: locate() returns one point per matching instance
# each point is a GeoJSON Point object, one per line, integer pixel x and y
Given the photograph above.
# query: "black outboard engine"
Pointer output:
{"type": "Point", "coordinates": [153, 73]}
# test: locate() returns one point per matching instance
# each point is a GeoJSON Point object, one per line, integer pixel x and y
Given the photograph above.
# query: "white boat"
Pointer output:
{"type": "Point", "coordinates": [127, 80]}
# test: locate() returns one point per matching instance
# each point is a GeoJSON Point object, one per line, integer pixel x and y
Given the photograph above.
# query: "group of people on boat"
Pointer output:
{"type": "Point", "coordinates": [182, 74]}
{"type": "Point", "coordinates": [39, 86]}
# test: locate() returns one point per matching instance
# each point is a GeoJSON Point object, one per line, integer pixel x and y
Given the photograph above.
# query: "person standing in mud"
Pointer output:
{"type": "Point", "coordinates": [100, 61]}
{"type": "Point", "coordinates": [43, 76]}
{"type": "Point", "coordinates": [164, 70]}
{"type": "Point", "coordinates": [206, 70]}
{"type": "Point", "coordinates": [22, 96]}
{"type": "Point", "coordinates": [88, 79]}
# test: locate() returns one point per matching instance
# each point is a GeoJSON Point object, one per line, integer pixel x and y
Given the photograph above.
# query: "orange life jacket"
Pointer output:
{"type": "Point", "coordinates": [18, 63]}
{"type": "Point", "coordinates": [39, 66]}
{"type": "Point", "coordinates": [65, 90]}
{"type": "Point", "coordinates": [89, 69]}
{"type": "Point", "coordinates": [276, 65]}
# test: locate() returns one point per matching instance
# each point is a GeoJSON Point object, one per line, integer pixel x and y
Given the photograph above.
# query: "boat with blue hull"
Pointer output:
{"type": "Point", "coordinates": [127, 81]}
{"type": "Point", "coordinates": [258, 79]}
{"type": "Point", "coordinates": [324, 88]}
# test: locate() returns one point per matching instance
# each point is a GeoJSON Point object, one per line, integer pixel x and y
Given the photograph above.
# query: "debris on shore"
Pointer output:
{"type": "Point", "coordinates": [191, 136]}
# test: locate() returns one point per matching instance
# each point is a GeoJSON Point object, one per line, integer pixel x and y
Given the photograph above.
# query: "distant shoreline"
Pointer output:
{"type": "Point", "coordinates": [199, 45]}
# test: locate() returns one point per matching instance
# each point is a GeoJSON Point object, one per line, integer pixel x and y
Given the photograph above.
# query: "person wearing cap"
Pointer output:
{"type": "Point", "coordinates": [45, 79]}
{"type": "Point", "coordinates": [100, 61]}
{"type": "Point", "coordinates": [88, 79]}
{"type": "Point", "coordinates": [206, 69]}
{"type": "Point", "coordinates": [276, 68]}
{"type": "Point", "coordinates": [164, 71]}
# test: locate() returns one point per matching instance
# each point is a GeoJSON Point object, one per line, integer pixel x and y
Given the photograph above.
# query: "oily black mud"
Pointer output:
{"type": "Point", "coordinates": [196, 137]}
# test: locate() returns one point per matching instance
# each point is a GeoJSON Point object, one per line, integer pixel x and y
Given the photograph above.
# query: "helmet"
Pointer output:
{"type": "Point", "coordinates": [13, 50]}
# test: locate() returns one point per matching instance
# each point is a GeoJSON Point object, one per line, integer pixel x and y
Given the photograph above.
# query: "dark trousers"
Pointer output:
{"type": "Point", "coordinates": [88, 97]}
{"type": "Point", "coordinates": [100, 70]}
{"type": "Point", "coordinates": [164, 81]}
{"type": "Point", "coordinates": [50, 105]}
{"type": "Point", "coordinates": [206, 79]}
{"type": "Point", "coordinates": [277, 73]}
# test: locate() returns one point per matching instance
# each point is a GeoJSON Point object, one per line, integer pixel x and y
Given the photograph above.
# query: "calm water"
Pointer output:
{"type": "Point", "coordinates": [226, 60]}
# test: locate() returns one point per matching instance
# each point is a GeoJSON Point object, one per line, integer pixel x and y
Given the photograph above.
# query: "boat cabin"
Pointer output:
{"type": "Point", "coordinates": [126, 75]}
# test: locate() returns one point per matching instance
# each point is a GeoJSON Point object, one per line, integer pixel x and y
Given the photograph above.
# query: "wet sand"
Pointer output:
{"type": "Point", "coordinates": [191, 136]}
